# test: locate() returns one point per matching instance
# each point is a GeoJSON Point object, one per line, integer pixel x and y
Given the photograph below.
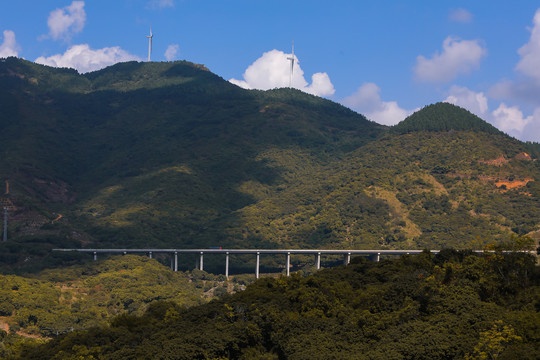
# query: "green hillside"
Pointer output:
{"type": "Point", "coordinates": [57, 301]}
{"type": "Point", "coordinates": [455, 305]}
{"type": "Point", "coordinates": [171, 155]}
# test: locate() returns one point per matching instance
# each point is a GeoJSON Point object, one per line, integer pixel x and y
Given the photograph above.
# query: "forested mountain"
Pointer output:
{"type": "Point", "coordinates": [454, 305]}
{"type": "Point", "coordinates": [171, 155]}
{"type": "Point", "coordinates": [444, 117]}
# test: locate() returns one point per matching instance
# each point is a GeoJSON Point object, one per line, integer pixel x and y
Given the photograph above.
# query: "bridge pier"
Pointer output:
{"type": "Point", "coordinates": [288, 266]}
{"type": "Point", "coordinates": [257, 265]}
{"type": "Point", "coordinates": [318, 260]}
{"type": "Point", "coordinates": [95, 256]}
{"type": "Point", "coordinates": [201, 261]}
{"type": "Point", "coordinates": [150, 254]}
{"type": "Point", "coordinates": [174, 261]}
{"type": "Point", "coordinates": [227, 265]}
{"type": "Point", "coordinates": [376, 257]}
{"type": "Point", "coordinates": [347, 259]}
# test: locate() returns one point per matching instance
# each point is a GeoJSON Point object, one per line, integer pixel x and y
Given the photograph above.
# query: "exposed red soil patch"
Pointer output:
{"type": "Point", "coordinates": [512, 184]}
{"type": "Point", "coordinates": [523, 156]}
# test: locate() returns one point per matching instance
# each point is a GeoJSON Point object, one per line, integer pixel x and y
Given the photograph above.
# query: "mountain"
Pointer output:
{"type": "Point", "coordinates": [171, 155]}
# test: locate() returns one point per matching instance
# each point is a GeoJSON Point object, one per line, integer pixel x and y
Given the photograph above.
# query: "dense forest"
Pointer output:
{"type": "Point", "coordinates": [453, 305]}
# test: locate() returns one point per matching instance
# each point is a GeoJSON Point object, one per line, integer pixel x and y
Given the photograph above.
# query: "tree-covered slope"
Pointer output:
{"type": "Point", "coordinates": [136, 143]}
{"type": "Point", "coordinates": [443, 117]}
{"type": "Point", "coordinates": [78, 297]}
{"type": "Point", "coordinates": [171, 155]}
{"type": "Point", "coordinates": [454, 305]}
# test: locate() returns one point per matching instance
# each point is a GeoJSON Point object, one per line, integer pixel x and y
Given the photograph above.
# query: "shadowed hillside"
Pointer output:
{"type": "Point", "coordinates": [171, 155]}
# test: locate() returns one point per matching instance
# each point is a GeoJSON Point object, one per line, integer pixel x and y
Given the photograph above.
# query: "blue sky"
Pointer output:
{"type": "Point", "coordinates": [384, 59]}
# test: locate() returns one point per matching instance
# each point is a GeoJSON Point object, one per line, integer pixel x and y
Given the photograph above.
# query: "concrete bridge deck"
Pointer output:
{"type": "Point", "coordinates": [373, 254]}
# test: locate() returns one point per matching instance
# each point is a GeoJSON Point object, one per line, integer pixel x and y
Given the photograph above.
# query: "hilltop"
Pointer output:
{"type": "Point", "coordinates": [172, 155]}
{"type": "Point", "coordinates": [444, 117]}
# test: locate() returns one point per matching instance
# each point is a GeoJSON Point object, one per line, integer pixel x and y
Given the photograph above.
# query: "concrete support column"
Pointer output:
{"type": "Point", "coordinates": [227, 265]}
{"type": "Point", "coordinates": [95, 256]}
{"type": "Point", "coordinates": [124, 253]}
{"type": "Point", "coordinates": [347, 259]}
{"type": "Point", "coordinates": [175, 261]}
{"type": "Point", "coordinates": [257, 266]}
{"type": "Point", "coordinates": [150, 254]}
{"type": "Point", "coordinates": [288, 266]}
{"type": "Point", "coordinates": [201, 267]}
{"type": "Point", "coordinates": [378, 257]}
{"type": "Point", "coordinates": [318, 261]}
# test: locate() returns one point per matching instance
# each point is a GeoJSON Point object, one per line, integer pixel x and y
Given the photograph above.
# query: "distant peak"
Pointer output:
{"type": "Point", "coordinates": [444, 116]}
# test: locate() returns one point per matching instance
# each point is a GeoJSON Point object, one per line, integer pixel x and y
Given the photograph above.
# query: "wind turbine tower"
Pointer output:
{"type": "Point", "coordinates": [150, 43]}
{"type": "Point", "coordinates": [291, 59]}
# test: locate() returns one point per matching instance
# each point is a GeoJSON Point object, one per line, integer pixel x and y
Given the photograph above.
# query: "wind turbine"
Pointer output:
{"type": "Point", "coordinates": [291, 59]}
{"type": "Point", "coordinates": [150, 43]}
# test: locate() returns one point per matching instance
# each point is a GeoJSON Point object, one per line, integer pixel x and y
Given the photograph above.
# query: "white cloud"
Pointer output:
{"type": "Point", "coordinates": [9, 46]}
{"type": "Point", "coordinates": [458, 57]}
{"type": "Point", "coordinates": [65, 22]}
{"type": "Point", "coordinates": [272, 70]}
{"type": "Point", "coordinates": [510, 119]}
{"type": "Point", "coordinates": [171, 52]}
{"type": "Point", "coordinates": [531, 131]}
{"type": "Point", "coordinates": [160, 4]}
{"type": "Point", "coordinates": [460, 15]}
{"type": "Point", "coordinates": [366, 100]}
{"type": "Point", "coordinates": [477, 103]}
{"type": "Point", "coordinates": [529, 64]}
{"type": "Point", "coordinates": [320, 85]}
{"type": "Point", "coordinates": [84, 59]}
{"type": "Point", "coordinates": [526, 88]}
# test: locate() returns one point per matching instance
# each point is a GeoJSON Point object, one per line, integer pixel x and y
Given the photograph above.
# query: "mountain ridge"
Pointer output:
{"type": "Point", "coordinates": [169, 154]}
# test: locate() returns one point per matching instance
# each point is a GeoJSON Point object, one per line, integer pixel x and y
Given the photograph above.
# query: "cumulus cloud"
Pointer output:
{"type": "Point", "coordinates": [272, 70]}
{"type": "Point", "coordinates": [65, 22]}
{"type": "Point", "coordinates": [529, 64]}
{"type": "Point", "coordinates": [477, 103]}
{"type": "Point", "coordinates": [9, 46]}
{"type": "Point", "coordinates": [510, 119]}
{"type": "Point", "coordinates": [531, 131]}
{"type": "Point", "coordinates": [171, 52]}
{"type": "Point", "coordinates": [460, 15]}
{"type": "Point", "coordinates": [84, 59]}
{"type": "Point", "coordinates": [526, 88]}
{"type": "Point", "coordinates": [458, 57]}
{"type": "Point", "coordinates": [367, 100]}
